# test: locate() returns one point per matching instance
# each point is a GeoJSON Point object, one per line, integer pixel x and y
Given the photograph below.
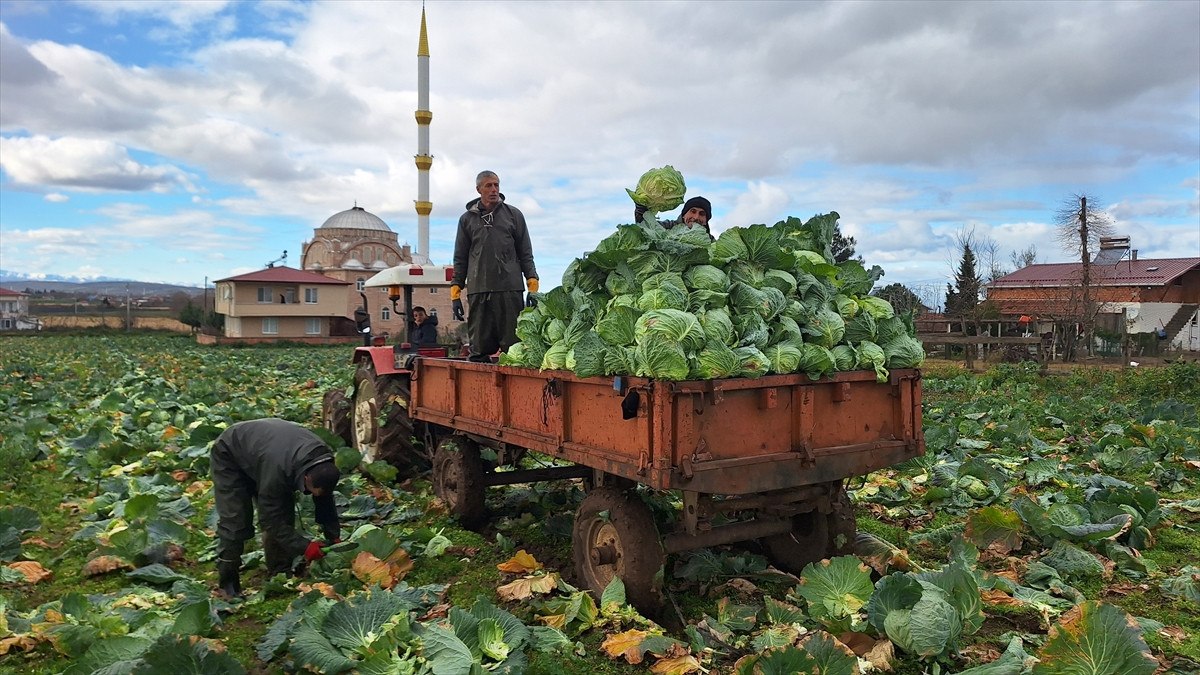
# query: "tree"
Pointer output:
{"type": "Point", "coordinates": [901, 297]}
{"type": "Point", "coordinates": [843, 246]}
{"type": "Point", "coordinates": [1079, 229]}
{"type": "Point", "coordinates": [1024, 258]}
{"type": "Point", "coordinates": [191, 315]}
{"type": "Point", "coordinates": [962, 297]}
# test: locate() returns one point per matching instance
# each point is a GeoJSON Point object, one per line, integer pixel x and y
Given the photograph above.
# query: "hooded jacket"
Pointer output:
{"type": "Point", "coordinates": [492, 250]}
{"type": "Point", "coordinates": [276, 454]}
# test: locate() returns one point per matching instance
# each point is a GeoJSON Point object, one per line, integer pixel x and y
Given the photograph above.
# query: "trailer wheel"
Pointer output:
{"type": "Point", "coordinates": [815, 536]}
{"type": "Point", "coordinates": [458, 479]}
{"type": "Point", "coordinates": [614, 536]}
{"type": "Point", "coordinates": [335, 415]}
{"type": "Point", "coordinates": [393, 441]}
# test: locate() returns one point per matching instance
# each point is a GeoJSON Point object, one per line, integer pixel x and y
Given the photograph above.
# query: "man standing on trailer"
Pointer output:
{"type": "Point", "coordinates": [491, 253]}
{"type": "Point", "coordinates": [264, 463]}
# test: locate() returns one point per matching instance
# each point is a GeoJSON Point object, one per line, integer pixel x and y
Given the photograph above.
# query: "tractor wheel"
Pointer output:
{"type": "Point", "coordinates": [458, 479]}
{"type": "Point", "coordinates": [382, 428]}
{"type": "Point", "coordinates": [815, 536]}
{"type": "Point", "coordinates": [335, 414]}
{"type": "Point", "coordinates": [614, 536]}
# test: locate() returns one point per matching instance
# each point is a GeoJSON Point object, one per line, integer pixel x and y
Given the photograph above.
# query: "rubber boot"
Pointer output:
{"type": "Point", "coordinates": [229, 567]}
{"type": "Point", "coordinates": [229, 577]}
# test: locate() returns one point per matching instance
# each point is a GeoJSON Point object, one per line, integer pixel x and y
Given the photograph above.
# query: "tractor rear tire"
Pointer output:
{"type": "Point", "coordinates": [335, 415]}
{"type": "Point", "coordinates": [815, 535]}
{"type": "Point", "coordinates": [382, 429]}
{"type": "Point", "coordinates": [614, 536]}
{"type": "Point", "coordinates": [458, 479]}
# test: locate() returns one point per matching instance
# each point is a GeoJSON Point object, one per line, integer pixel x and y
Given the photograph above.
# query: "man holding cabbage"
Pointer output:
{"type": "Point", "coordinates": [491, 252]}
{"type": "Point", "coordinates": [662, 190]}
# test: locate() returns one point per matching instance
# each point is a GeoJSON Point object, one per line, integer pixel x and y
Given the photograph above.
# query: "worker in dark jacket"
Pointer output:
{"type": "Point", "coordinates": [696, 211]}
{"type": "Point", "coordinates": [422, 331]}
{"type": "Point", "coordinates": [491, 253]}
{"type": "Point", "coordinates": [265, 463]}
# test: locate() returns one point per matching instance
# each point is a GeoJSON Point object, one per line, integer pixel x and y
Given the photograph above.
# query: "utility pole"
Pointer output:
{"type": "Point", "coordinates": [204, 311]}
{"type": "Point", "coordinates": [128, 310]}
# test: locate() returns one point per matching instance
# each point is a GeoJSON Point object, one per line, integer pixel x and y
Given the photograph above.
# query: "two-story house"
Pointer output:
{"type": "Point", "coordinates": [14, 311]}
{"type": "Point", "coordinates": [281, 303]}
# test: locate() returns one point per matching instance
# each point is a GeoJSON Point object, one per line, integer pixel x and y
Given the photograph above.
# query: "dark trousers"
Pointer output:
{"type": "Point", "coordinates": [492, 324]}
{"type": "Point", "coordinates": [236, 496]}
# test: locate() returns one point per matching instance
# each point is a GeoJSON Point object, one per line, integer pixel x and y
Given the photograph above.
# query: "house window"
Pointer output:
{"type": "Point", "coordinates": [264, 294]}
{"type": "Point", "coordinates": [312, 326]}
{"type": "Point", "coordinates": [310, 296]}
{"type": "Point", "coordinates": [385, 313]}
{"type": "Point", "coordinates": [433, 291]}
{"type": "Point", "coordinates": [270, 325]}
{"type": "Point", "coordinates": [6, 324]}
{"type": "Point", "coordinates": [360, 284]}
{"type": "Point", "coordinates": [288, 297]}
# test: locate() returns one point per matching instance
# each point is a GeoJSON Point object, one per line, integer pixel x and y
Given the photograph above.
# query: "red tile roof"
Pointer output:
{"type": "Point", "coordinates": [1145, 272]}
{"type": "Point", "coordinates": [286, 275]}
{"type": "Point", "coordinates": [5, 291]}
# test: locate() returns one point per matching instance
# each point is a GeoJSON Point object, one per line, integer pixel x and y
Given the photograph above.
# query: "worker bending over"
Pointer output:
{"type": "Point", "coordinates": [265, 463]}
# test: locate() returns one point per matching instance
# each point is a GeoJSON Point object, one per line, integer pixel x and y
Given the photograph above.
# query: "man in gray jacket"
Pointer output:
{"type": "Point", "coordinates": [265, 463]}
{"type": "Point", "coordinates": [491, 253]}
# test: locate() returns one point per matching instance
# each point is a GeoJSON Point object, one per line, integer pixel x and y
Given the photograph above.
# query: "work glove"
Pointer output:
{"type": "Point", "coordinates": [456, 306]}
{"type": "Point", "coordinates": [313, 552]}
{"type": "Point", "coordinates": [531, 285]}
{"type": "Point", "coordinates": [639, 210]}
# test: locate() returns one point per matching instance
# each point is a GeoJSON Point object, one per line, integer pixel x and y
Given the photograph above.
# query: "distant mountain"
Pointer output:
{"type": "Point", "coordinates": [89, 287]}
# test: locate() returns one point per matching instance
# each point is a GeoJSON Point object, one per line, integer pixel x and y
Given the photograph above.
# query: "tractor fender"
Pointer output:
{"type": "Point", "coordinates": [382, 358]}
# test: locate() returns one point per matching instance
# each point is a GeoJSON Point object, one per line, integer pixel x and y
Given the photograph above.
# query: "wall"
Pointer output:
{"type": "Point", "coordinates": [73, 321]}
{"type": "Point", "coordinates": [330, 300]}
{"type": "Point", "coordinates": [205, 339]}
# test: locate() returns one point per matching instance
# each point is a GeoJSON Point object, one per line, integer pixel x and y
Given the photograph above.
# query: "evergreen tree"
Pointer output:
{"type": "Point", "coordinates": [901, 298]}
{"type": "Point", "coordinates": [191, 315]}
{"type": "Point", "coordinates": [842, 247]}
{"type": "Point", "coordinates": [963, 297]}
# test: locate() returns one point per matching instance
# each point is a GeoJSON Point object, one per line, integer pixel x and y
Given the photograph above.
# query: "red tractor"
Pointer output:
{"type": "Point", "coordinates": [374, 418]}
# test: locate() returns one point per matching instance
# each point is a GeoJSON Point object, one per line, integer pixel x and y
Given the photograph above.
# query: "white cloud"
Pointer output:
{"type": "Point", "coordinates": [83, 164]}
{"type": "Point", "coordinates": [908, 119]}
{"type": "Point", "coordinates": [179, 15]}
{"type": "Point", "coordinates": [56, 197]}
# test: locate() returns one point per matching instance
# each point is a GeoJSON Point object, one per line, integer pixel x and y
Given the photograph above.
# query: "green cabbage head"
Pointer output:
{"type": "Point", "coordinates": [659, 190]}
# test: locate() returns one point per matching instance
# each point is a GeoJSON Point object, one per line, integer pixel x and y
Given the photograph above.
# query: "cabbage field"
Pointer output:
{"type": "Point", "coordinates": [1050, 528]}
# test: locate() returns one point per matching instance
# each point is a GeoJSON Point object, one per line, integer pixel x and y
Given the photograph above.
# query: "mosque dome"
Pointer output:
{"type": "Point", "coordinates": [356, 218]}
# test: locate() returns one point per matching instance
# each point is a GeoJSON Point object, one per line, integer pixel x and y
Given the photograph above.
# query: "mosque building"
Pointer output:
{"type": "Point", "coordinates": [317, 303]}
{"type": "Point", "coordinates": [354, 245]}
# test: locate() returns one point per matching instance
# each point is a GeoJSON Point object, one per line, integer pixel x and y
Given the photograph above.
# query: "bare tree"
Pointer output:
{"type": "Point", "coordinates": [1024, 258]}
{"type": "Point", "coordinates": [1080, 226]}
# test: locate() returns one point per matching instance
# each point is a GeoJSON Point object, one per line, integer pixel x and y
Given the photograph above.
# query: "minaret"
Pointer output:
{"type": "Point", "coordinates": [423, 158]}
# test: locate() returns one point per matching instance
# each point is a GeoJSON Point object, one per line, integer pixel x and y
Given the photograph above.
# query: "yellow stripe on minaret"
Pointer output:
{"type": "Point", "coordinates": [423, 44]}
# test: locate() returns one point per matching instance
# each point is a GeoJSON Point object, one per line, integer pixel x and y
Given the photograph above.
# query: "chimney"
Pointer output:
{"type": "Point", "coordinates": [1133, 253]}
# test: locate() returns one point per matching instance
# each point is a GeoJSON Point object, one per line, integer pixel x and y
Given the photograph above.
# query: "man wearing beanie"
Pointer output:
{"type": "Point", "coordinates": [696, 211]}
{"type": "Point", "coordinates": [262, 464]}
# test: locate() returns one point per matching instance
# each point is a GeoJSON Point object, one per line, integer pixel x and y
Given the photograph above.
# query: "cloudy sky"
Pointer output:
{"type": "Point", "coordinates": [176, 141]}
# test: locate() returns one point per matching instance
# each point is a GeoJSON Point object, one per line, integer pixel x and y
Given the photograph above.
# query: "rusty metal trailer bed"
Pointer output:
{"type": "Point", "coordinates": [753, 459]}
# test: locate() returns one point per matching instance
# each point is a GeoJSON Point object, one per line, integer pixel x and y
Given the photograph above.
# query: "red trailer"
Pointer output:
{"type": "Point", "coordinates": [752, 459]}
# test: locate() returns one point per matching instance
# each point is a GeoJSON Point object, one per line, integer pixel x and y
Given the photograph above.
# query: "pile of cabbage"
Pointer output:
{"type": "Point", "coordinates": [671, 304]}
